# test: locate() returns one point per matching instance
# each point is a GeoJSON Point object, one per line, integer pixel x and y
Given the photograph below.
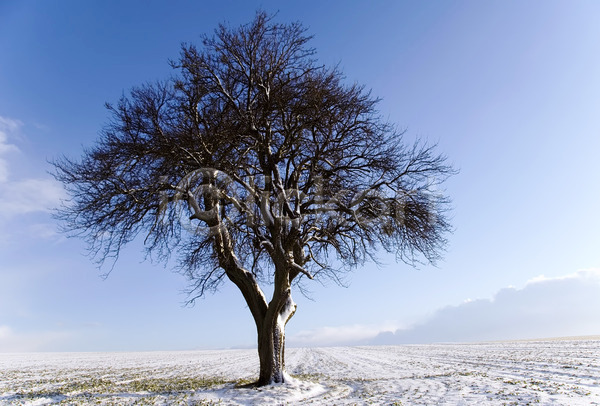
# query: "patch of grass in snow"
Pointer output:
{"type": "Point", "coordinates": [244, 382]}
{"type": "Point", "coordinates": [316, 378]}
{"type": "Point", "coordinates": [174, 385]}
{"type": "Point", "coordinates": [138, 390]}
{"type": "Point", "coordinates": [550, 387]}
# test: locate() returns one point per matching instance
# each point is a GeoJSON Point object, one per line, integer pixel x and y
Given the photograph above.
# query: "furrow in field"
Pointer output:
{"type": "Point", "coordinates": [553, 373]}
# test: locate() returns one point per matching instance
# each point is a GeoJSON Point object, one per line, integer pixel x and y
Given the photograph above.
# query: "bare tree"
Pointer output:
{"type": "Point", "coordinates": [254, 164]}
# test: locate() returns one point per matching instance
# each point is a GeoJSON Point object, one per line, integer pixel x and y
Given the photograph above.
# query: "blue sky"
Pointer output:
{"type": "Point", "coordinates": [509, 90]}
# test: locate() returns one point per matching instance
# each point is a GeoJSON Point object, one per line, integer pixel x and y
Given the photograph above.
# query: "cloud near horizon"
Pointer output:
{"type": "Point", "coordinates": [354, 334]}
{"type": "Point", "coordinates": [12, 340]}
{"type": "Point", "coordinates": [543, 308]}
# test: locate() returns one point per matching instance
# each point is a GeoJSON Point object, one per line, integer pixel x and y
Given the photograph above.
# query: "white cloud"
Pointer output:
{"type": "Point", "coordinates": [544, 307]}
{"type": "Point", "coordinates": [3, 170]}
{"type": "Point", "coordinates": [27, 195]}
{"type": "Point", "coordinates": [15, 341]}
{"type": "Point", "coordinates": [591, 274]}
{"type": "Point", "coordinates": [45, 231]}
{"type": "Point", "coordinates": [354, 334]}
{"type": "Point", "coordinates": [7, 126]}
{"type": "Point", "coordinates": [9, 123]}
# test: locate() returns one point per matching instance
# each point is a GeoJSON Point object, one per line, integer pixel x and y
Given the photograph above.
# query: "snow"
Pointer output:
{"type": "Point", "coordinates": [286, 312]}
{"type": "Point", "coordinates": [565, 372]}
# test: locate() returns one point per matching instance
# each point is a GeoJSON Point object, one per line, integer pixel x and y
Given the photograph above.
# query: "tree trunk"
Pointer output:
{"type": "Point", "coordinates": [271, 352]}
{"type": "Point", "coordinates": [271, 340]}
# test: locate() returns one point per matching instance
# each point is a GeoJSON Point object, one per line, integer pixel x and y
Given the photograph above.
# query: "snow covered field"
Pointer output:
{"type": "Point", "coordinates": [519, 373]}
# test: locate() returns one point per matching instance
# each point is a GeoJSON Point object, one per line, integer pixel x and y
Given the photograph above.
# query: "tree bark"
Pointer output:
{"type": "Point", "coordinates": [271, 339]}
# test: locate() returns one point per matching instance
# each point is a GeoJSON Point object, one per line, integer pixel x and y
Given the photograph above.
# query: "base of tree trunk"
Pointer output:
{"type": "Point", "coordinates": [271, 353]}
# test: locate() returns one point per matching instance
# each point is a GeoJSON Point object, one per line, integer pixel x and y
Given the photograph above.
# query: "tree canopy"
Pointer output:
{"type": "Point", "coordinates": [253, 164]}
